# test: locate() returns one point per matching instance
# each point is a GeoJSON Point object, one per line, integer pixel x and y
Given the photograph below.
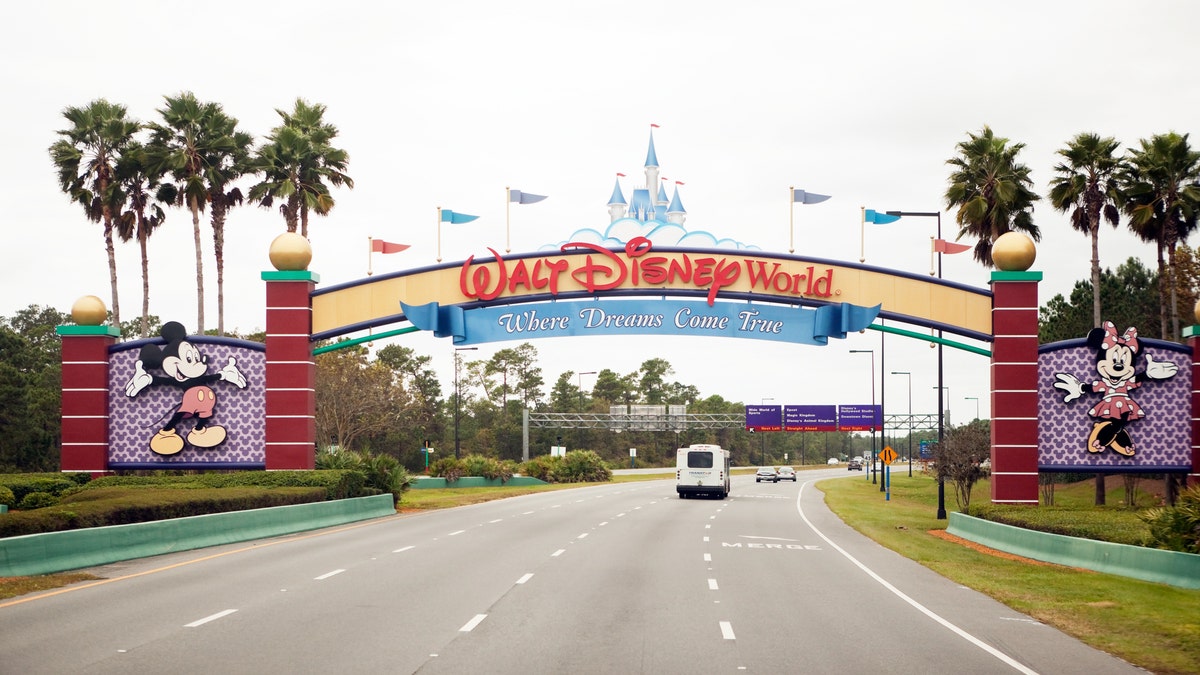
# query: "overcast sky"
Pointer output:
{"type": "Point", "coordinates": [446, 103]}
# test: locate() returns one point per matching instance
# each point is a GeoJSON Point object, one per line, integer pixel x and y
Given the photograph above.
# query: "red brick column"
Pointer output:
{"type": "Point", "coordinates": [1014, 387]}
{"type": "Point", "coordinates": [1192, 333]}
{"type": "Point", "coordinates": [291, 430]}
{"type": "Point", "coordinates": [85, 396]}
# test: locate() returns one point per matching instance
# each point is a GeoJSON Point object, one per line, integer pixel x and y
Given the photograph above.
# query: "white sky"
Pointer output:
{"type": "Point", "coordinates": [446, 103]}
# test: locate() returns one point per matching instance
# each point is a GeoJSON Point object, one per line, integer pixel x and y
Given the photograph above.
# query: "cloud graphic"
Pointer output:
{"type": "Point", "coordinates": [665, 235]}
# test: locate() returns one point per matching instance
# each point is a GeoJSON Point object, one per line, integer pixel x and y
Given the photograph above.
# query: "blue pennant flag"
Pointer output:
{"type": "Point", "coordinates": [449, 216]}
{"type": "Point", "coordinates": [802, 197]}
{"type": "Point", "coordinates": [873, 216]}
{"type": "Point", "coordinates": [524, 197]}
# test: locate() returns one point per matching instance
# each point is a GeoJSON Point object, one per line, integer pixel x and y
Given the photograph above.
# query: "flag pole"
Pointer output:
{"type": "Point", "coordinates": [791, 219]}
{"type": "Point", "coordinates": [932, 253]}
{"type": "Point", "coordinates": [370, 249]}
{"type": "Point", "coordinates": [507, 201]}
{"type": "Point", "coordinates": [862, 235]}
{"type": "Point", "coordinates": [439, 234]}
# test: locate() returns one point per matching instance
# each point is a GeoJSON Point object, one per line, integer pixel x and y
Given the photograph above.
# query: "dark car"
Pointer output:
{"type": "Point", "coordinates": [766, 473]}
{"type": "Point", "coordinates": [854, 465]}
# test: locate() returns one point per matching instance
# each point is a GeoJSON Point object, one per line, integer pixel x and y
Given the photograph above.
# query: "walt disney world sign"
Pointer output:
{"type": "Point", "coordinates": [586, 289]}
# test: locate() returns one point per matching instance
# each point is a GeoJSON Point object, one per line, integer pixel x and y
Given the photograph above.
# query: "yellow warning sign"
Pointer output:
{"type": "Point", "coordinates": [887, 455]}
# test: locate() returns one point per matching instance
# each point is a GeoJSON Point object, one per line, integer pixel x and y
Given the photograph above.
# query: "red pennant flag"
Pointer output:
{"type": "Point", "coordinates": [653, 125]}
{"type": "Point", "coordinates": [621, 175]}
{"type": "Point", "coordinates": [381, 246]}
{"type": "Point", "coordinates": [679, 182]}
{"type": "Point", "coordinates": [943, 246]}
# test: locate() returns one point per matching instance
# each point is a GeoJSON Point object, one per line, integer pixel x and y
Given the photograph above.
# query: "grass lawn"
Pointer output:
{"type": "Point", "coordinates": [1150, 625]}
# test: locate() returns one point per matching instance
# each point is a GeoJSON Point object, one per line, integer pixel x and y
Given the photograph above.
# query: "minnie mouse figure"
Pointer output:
{"type": "Point", "coordinates": [186, 369]}
{"type": "Point", "coordinates": [1115, 355]}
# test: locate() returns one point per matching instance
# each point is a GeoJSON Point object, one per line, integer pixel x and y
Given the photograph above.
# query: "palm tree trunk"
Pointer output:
{"type": "Point", "coordinates": [1095, 228]}
{"type": "Point", "coordinates": [112, 269]}
{"type": "Point", "coordinates": [1173, 274]}
{"type": "Point", "coordinates": [1162, 292]}
{"type": "Point", "coordinates": [218, 225]}
{"type": "Point", "coordinates": [145, 327]}
{"type": "Point", "coordinates": [199, 267]}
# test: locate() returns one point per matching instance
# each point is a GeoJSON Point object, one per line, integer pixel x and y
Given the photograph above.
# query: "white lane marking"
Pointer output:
{"type": "Point", "coordinates": [214, 617]}
{"type": "Point", "coordinates": [727, 630]}
{"type": "Point", "coordinates": [708, 527]}
{"type": "Point", "coordinates": [470, 625]}
{"type": "Point", "coordinates": [900, 594]}
{"type": "Point", "coordinates": [492, 522]}
{"type": "Point", "coordinates": [558, 553]}
{"type": "Point", "coordinates": [604, 523]}
{"type": "Point", "coordinates": [556, 506]}
{"type": "Point", "coordinates": [525, 578]}
{"type": "Point", "coordinates": [712, 585]}
{"type": "Point", "coordinates": [706, 539]}
{"type": "Point", "coordinates": [620, 515]}
{"type": "Point", "coordinates": [582, 535]}
{"type": "Point", "coordinates": [325, 576]}
{"type": "Point", "coordinates": [456, 532]}
{"type": "Point", "coordinates": [751, 536]}
{"type": "Point", "coordinates": [707, 557]}
{"type": "Point", "coordinates": [527, 513]}
{"type": "Point", "coordinates": [712, 517]}
{"type": "Point", "coordinates": [402, 550]}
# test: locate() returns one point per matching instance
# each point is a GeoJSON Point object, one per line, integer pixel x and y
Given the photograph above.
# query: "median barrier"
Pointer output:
{"type": "Point", "coordinates": [1137, 562]}
{"type": "Point", "coordinates": [51, 552]}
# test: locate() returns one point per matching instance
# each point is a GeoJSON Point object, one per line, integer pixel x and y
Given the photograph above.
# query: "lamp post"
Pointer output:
{"type": "Point", "coordinates": [976, 399]}
{"type": "Point", "coordinates": [941, 514]}
{"type": "Point", "coordinates": [457, 403]}
{"type": "Point", "coordinates": [764, 436]}
{"type": "Point", "coordinates": [949, 416]}
{"type": "Point", "coordinates": [910, 424]}
{"type": "Point", "coordinates": [871, 471]}
{"type": "Point", "coordinates": [590, 372]}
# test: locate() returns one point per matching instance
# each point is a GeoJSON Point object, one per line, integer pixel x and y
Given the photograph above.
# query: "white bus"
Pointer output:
{"type": "Point", "coordinates": [702, 469]}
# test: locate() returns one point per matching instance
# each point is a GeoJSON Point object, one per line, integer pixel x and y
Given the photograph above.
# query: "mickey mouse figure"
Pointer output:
{"type": "Point", "coordinates": [1115, 355]}
{"type": "Point", "coordinates": [187, 369]}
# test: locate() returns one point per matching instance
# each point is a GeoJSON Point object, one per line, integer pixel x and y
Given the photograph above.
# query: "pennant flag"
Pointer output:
{"type": "Point", "coordinates": [381, 246]}
{"type": "Point", "coordinates": [653, 125]}
{"type": "Point", "coordinates": [679, 182]}
{"type": "Point", "coordinates": [943, 246]}
{"type": "Point", "coordinates": [802, 197]}
{"type": "Point", "coordinates": [449, 216]}
{"type": "Point", "coordinates": [872, 216]}
{"type": "Point", "coordinates": [621, 175]}
{"type": "Point", "coordinates": [523, 197]}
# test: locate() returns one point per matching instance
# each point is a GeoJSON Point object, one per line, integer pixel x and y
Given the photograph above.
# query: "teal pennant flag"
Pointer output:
{"type": "Point", "coordinates": [449, 216]}
{"type": "Point", "coordinates": [873, 216]}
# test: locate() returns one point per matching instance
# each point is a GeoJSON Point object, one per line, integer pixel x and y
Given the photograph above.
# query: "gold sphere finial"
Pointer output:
{"type": "Point", "coordinates": [290, 252]}
{"type": "Point", "coordinates": [1196, 311]}
{"type": "Point", "coordinates": [89, 311]}
{"type": "Point", "coordinates": [1013, 252]}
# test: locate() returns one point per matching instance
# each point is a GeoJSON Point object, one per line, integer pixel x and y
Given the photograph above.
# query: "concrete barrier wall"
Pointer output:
{"type": "Point", "coordinates": [51, 552]}
{"type": "Point", "coordinates": [1137, 562]}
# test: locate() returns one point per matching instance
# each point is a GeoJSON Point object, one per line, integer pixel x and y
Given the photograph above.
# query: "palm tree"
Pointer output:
{"type": "Point", "coordinates": [143, 216]}
{"type": "Point", "coordinates": [200, 147]}
{"type": "Point", "coordinates": [299, 164]}
{"type": "Point", "coordinates": [991, 190]}
{"type": "Point", "coordinates": [1086, 185]}
{"type": "Point", "coordinates": [1162, 189]}
{"type": "Point", "coordinates": [86, 156]}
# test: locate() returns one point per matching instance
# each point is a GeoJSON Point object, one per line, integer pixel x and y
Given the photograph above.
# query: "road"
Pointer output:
{"type": "Point", "coordinates": [621, 578]}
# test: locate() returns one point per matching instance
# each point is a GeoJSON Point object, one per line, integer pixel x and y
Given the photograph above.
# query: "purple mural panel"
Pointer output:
{"type": "Point", "coordinates": [133, 422]}
{"type": "Point", "coordinates": [1161, 441]}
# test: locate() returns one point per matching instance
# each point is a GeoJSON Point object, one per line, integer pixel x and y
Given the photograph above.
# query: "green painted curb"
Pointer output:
{"type": "Point", "coordinates": [474, 482]}
{"type": "Point", "coordinates": [1136, 562]}
{"type": "Point", "coordinates": [51, 552]}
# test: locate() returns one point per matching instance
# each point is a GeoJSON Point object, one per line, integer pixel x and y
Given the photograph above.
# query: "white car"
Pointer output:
{"type": "Point", "coordinates": [787, 473]}
{"type": "Point", "coordinates": [766, 473]}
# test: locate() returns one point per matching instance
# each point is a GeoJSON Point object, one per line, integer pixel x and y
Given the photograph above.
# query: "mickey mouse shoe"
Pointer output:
{"type": "Point", "coordinates": [166, 442]}
{"type": "Point", "coordinates": [207, 437]}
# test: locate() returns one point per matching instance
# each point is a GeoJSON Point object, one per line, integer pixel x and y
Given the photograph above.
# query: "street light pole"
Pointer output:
{"type": "Point", "coordinates": [590, 372]}
{"type": "Point", "coordinates": [870, 471]}
{"type": "Point", "coordinates": [941, 514]}
{"type": "Point", "coordinates": [457, 403]}
{"type": "Point", "coordinates": [764, 436]}
{"type": "Point", "coordinates": [910, 423]}
{"type": "Point", "coordinates": [976, 399]}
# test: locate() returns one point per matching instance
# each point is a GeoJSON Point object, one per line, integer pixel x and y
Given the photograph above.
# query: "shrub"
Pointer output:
{"type": "Point", "coordinates": [36, 500]}
{"type": "Point", "coordinates": [579, 466]}
{"type": "Point", "coordinates": [487, 467]}
{"type": "Point", "coordinates": [449, 468]}
{"type": "Point", "coordinates": [1176, 528]}
{"type": "Point", "coordinates": [7, 497]}
{"type": "Point", "coordinates": [381, 473]}
{"type": "Point", "coordinates": [541, 467]}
